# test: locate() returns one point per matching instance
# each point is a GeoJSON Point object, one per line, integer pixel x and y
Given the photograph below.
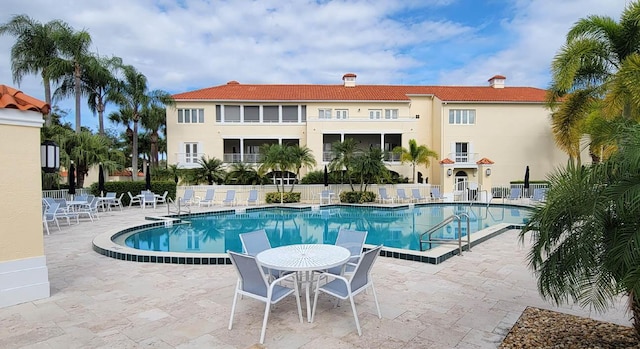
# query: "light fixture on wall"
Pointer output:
{"type": "Point", "coordinates": [49, 156]}
{"type": "Point", "coordinates": [488, 172]}
{"type": "Point", "coordinates": [417, 116]}
{"type": "Point", "coordinates": [449, 172]}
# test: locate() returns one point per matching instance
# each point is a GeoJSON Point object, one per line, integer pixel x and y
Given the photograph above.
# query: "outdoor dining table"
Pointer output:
{"type": "Point", "coordinates": [305, 258]}
{"type": "Point", "coordinates": [74, 204]}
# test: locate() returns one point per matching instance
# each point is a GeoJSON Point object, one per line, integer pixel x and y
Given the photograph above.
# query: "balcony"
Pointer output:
{"type": "Point", "coordinates": [464, 159]}
{"type": "Point", "coordinates": [391, 157]}
{"type": "Point", "coordinates": [246, 158]}
{"type": "Point", "coordinates": [188, 160]}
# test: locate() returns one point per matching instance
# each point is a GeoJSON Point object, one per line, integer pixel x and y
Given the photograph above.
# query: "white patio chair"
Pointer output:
{"type": "Point", "coordinates": [149, 198]}
{"type": "Point", "coordinates": [208, 198]}
{"type": "Point", "coordinates": [325, 197]}
{"type": "Point", "coordinates": [253, 197]}
{"type": "Point", "coordinates": [188, 198]}
{"type": "Point", "coordinates": [515, 194]}
{"type": "Point", "coordinates": [162, 199]}
{"type": "Point", "coordinates": [230, 199]}
{"type": "Point", "coordinates": [134, 199]}
{"type": "Point", "coordinates": [90, 209]}
{"type": "Point", "coordinates": [253, 283]}
{"type": "Point", "coordinates": [49, 215]}
{"type": "Point", "coordinates": [402, 195]}
{"type": "Point", "coordinates": [255, 242]}
{"type": "Point", "coordinates": [343, 288]}
{"type": "Point", "coordinates": [435, 194]}
{"type": "Point", "coordinates": [383, 196]}
{"type": "Point", "coordinates": [416, 196]}
{"type": "Point", "coordinates": [63, 210]}
{"type": "Point", "coordinates": [352, 240]}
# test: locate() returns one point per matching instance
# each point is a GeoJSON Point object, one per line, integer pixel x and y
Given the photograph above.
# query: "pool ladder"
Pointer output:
{"type": "Point", "coordinates": [177, 207]}
{"type": "Point", "coordinates": [456, 217]}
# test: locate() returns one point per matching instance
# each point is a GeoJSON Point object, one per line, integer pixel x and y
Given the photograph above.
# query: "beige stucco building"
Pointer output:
{"type": "Point", "coordinates": [23, 270]}
{"type": "Point", "coordinates": [483, 134]}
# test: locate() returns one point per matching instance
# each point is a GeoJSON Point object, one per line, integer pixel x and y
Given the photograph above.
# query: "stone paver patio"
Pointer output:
{"type": "Point", "coordinates": [99, 302]}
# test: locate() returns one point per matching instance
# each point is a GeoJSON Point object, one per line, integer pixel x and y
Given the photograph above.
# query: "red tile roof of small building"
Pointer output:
{"type": "Point", "coordinates": [485, 161]}
{"type": "Point", "coordinates": [234, 91]}
{"type": "Point", "coordinates": [11, 98]}
{"type": "Point", "coordinates": [447, 161]}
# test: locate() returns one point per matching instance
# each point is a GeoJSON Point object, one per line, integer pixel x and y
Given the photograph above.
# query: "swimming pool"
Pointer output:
{"type": "Point", "coordinates": [397, 228]}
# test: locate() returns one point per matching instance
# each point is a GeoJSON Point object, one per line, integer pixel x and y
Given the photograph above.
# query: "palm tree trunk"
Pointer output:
{"type": "Point", "coordinates": [134, 151]}
{"type": "Point", "coordinates": [154, 149]}
{"type": "Point", "coordinates": [634, 305]}
{"type": "Point", "coordinates": [101, 117]}
{"type": "Point", "coordinates": [47, 96]}
{"type": "Point", "coordinates": [77, 91]}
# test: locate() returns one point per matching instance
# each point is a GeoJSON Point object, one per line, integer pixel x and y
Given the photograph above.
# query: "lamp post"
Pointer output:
{"type": "Point", "coordinates": [49, 156]}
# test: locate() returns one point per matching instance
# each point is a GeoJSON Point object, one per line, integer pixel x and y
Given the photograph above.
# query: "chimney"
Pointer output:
{"type": "Point", "coordinates": [497, 81]}
{"type": "Point", "coordinates": [349, 80]}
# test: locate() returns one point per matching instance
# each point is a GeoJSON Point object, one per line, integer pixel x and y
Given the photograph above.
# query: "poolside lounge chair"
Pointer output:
{"type": "Point", "coordinates": [162, 199]}
{"type": "Point", "coordinates": [253, 197]}
{"type": "Point", "coordinates": [63, 210]}
{"type": "Point", "coordinates": [188, 198]}
{"type": "Point", "coordinates": [208, 198]}
{"type": "Point", "coordinates": [230, 199]}
{"type": "Point", "coordinates": [435, 194]}
{"type": "Point", "coordinates": [253, 283]}
{"type": "Point", "coordinates": [416, 196]}
{"type": "Point", "coordinates": [134, 199]}
{"type": "Point", "coordinates": [344, 288]}
{"type": "Point", "coordinates": [539, 194]}
{"type": "Point", "coordinates": [383, 196]}
{"type": "Point", "coordinates": [49, 215]}
{"type": "Point", "coordinates": [402, 195]}
{"type": "Point", "coordinates": [515, 194]}
{"type": "Point", "coordinates": [325, 196]}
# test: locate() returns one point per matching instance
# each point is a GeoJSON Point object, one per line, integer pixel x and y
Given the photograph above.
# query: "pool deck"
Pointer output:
{"type": "Point", "coordinates": [469, 301]}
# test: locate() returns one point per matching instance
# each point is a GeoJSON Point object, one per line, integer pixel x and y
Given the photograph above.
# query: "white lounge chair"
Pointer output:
{"type": "Point", "coordinates": [134, 199]}
{"type": "Point", "coordinates": [230, 199]}
{"type": "Point", "coordinates": [253, 283]}
{"type": "Point", "coordinates": [116, 202]}
{"type": "Point", "coordinates": [539, 195]}
{"type": "Point", "coordinates": [325, 196]}
{"type": "Point", "coordinates": [417, 196]}
{"type": "Point", "coordinates": [515, 194]}
{"type": "Point", "coordinates": [343, 288]}
{"type": "Point", "coordinates": [49, 215]}
{"type": "Point", "coordinates": [402, 195]}
{"type": "Point", "coordinates": [435, 194]}
{"type": "Point", "coordinates": [188, 198]}
{"type": "Point", "coordinates": [383, 196]}
{"type": "Point", "coordinates": [162, 199]}
{"type": "Point", "coordinates": [253, 197]}
{"type": "Point", "coordinates": [208, 198]}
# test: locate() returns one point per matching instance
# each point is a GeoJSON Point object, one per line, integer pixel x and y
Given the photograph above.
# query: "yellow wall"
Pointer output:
{"type": "Point", "coordinates": [20, 184]}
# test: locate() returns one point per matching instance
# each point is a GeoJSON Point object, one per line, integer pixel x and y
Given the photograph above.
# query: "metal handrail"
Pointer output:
{"type": "Point", "coordinates": [170, 202]}
{"type": "Point", "coordinates": [455, 217]}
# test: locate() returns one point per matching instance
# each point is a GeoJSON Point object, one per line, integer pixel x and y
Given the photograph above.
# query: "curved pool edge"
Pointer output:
{"type": "Point", "coordinates": [104, 244]}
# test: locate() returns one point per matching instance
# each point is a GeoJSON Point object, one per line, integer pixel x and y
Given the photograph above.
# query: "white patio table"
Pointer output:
{"type": "Point", "coordinates": [304, 258]}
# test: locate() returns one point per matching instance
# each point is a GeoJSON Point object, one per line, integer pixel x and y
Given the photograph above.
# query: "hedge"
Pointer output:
{"type": "Point", "coordinates": [287, 198]}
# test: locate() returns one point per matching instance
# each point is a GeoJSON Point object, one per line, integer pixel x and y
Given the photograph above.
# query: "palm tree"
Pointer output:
{"type": "Point", "coordinates": [211, 169]}
{"type": "Point", "coordinates": [133, 95]}
{"type": "Point", "coordinates": [34, 51]}
{"type": "Point", "coordinates": [343, 155]}
{"type": "Point", "coordinates": [595, 49]}
{"type": "Point", "coordinates": [242, 173]}
{"type": "Point", "coordinates": [300, 156]}
{"type": "Point", "coordinates": [416, 155]}
{"type": "Point", "coordinates": [369, 167]}
{"type": "Point", "coordinates": [99, 78]}
{"type": "Point", "coordinates": [86, 150]}
{"type": "Point", "coordinates": [73, 47]}
{"type": "Point", "coordinates": [585, 238]}
{"type": "Point", "coordinates": [275, 157]}
{"type": "Point", "coordinates": [154, 121]}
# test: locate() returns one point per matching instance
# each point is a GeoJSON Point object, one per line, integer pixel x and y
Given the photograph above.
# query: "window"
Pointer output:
{"type": "Point", "coordinates": [252, 114]}
{"type": "Point", "coordinates": [270, 113]}
{"type": "Point", "coordinates": [231, 113]}
{"type": "Point", "coordinates": [375, 113]}
{"type": "Point", "coordinates": [391, 113]}
{"type": "Point", "coordinates": [462, 152]}
{"type": "Point", "coordinates": [324, 113]}
{"type": "Point", "coordinates": [462, 116]}
{"type": "Point", "coordinates": [303, 113]}
{"type": "Point", "coordinates": [289, 113]}
{"type": "Point", "coordinates": [191, 153]}
{"type": "Point", "coordinates": [342, 114]}
{"type": "Point", "coordinates": [190, 116]}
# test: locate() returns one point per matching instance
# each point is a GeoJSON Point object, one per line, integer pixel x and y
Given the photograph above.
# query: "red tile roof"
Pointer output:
{"type": "Point", "coordinates": [234, 91]}
{"type": "Point", "coordinates": [14, 99]}
{"type": "Point", "coordinates": [447, 161]}
{"type": "Point", "coordinates": [485, 161]}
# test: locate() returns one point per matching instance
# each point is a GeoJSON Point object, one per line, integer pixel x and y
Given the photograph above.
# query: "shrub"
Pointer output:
{"type": "Point", "coordinates": [287, 198]}
{"type": "Point", "coordinates": [313, 177]}
{"type": "Point", "coordinates": [158, 187]}
{"type": "Point", "coordinates": [357, 197]}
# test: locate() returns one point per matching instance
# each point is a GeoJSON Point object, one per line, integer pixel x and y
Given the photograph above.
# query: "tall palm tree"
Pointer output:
{"type": "Point", "coordinates": [369, 167]}
{"type": "Point", "coordinates": [343, 155]}
{"type": "Point", "coordinates": [585, 237]}
{"type": "Point", "coordinates": [154, 121]}
{"type": "Point", "coordinates": [99, 78]}
{"type": "Point", "coordinates": [133, 95]}
{"type": "Point", "coordinates": [34, 51]}
{"type": "Point", "coordinates": [416, 155]}
{"type": "Point", "coordinates": [275, 157]}
{"type": "Point", "coordinates": [595, 49]}
{"type": "Point", "coordinates": [300, 157]}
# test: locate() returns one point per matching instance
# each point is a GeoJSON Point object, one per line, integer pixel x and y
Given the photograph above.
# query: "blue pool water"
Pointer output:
{"type": "Point", "coordinates": [393, 227]}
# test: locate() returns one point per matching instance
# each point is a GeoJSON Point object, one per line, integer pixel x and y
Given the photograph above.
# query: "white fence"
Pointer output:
{"type": "Point", "coordinates": [63, 193]}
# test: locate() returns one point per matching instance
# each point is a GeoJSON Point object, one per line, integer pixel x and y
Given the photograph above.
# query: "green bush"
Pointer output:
{"type": "Point", "coordinates": [287, 198]}
{"type": "Point", "coordinates": [357, 197]}
{"type": "Point", "coordinates": [313, 177]}
{"type": "Point", "coordinates": [158, 187]}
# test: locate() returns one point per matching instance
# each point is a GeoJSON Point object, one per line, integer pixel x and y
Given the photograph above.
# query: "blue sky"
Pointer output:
{"type": "Point", "coordinates": [181, 45]}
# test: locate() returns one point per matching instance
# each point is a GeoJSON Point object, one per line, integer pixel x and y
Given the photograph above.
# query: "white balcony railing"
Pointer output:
{"type": "Point", "coordinates": [464, 158]}
{"type": "Point", "coordinates": [188, 160]}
